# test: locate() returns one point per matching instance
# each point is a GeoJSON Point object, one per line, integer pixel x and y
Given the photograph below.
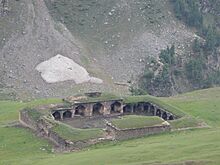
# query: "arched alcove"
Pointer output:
{"type": "Point", "coordinates": [67, 114]}
{"type": "Point", "coordinates": [152, 109]}
{"type": "Point", "coordinates": [146, 107]}
{"type": "Point", "coordinates": [171, 117]}
{"type": "Point", "coordinates": [97, 109]}
{"type": "Point", "coordinates": [127, 108]}
{"type": "Point", "coordinates": [139, 107]}
{"type": "Point", "coordinates": [56, 115]}
{"type": "Point", "coordinates": [79, 110]}
{"type": "Point", "coordinates": [158, 112]}
{"type": "Point", "coordinates": [164, 115]}
{"type": "Point", "coordinates": [116, 107]}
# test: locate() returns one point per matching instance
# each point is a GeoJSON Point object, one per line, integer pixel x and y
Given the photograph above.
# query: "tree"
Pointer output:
{"type": "Point", "coordinates": [167, 55]}
{"type": "Point", "coordinates": [194, 70]}
{"type": "Point", "coordinates": [196, 46]}
{"type": "Point", "coordinates": [211, 38]}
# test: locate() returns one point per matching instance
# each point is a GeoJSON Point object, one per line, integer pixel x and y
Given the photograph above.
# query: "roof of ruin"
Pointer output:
{"type": "Point", "coordinates": [102, 97]}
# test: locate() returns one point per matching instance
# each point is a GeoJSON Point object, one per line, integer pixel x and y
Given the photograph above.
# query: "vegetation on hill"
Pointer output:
{"type": "Point", "coordinates": [163, 81]}
{"type": "Point", "coordinates": [199, 68]}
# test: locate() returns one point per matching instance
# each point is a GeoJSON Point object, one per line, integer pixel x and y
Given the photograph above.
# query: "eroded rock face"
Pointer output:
{"type": "Point", "coordinates": [60, 68]}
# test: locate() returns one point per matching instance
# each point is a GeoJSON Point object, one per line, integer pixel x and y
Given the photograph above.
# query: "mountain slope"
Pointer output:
{"type": "Point", "coordinates": [112, 39]}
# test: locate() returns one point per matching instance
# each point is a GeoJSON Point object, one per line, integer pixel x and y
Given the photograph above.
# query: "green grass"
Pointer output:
{"type": "Point", "coordinates": [19, 147]}
{"type": "Point", "coordinates": [185, 122]}
{"type": "Point", "coordinates": [9, 110]}
{"type": "Point", "coordinates": [200, 145]}
{"type": "Point", "coordinates": [202, 104]}
{"type": "Point", "coordinates": [34, 114]}
{"type": "Point", "coordinates": [75, 134]}
{"type": "Point", "coordinates": [133, 121]}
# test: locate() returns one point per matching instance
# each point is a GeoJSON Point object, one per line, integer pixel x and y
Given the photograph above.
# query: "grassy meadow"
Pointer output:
{"type": "Point", "coordinates": [18, 146]}
{"type": "Point", "coordinates": [133, 121]}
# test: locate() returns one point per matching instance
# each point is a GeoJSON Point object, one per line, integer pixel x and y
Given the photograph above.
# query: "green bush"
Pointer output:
{"type": "Point", "coordinates": [167, 55]}
{"type": "Point", "coordinates": [194, 70]}
{"type": "Point", "coordinates": [188, 11]}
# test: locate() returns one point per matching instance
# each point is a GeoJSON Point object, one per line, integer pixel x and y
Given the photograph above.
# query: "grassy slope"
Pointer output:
{"type": "Point", "coordinates": [202, 104]}
{"type": "Point", "coordinates": [201, 145]}
{"type": "Point", "coordinates": [9, 110]}
{"type": "Point", "coordinates": [75, 134]}
{"type": "Point", "coordinates": [133, 121]}
{"type": "Point", "coordinates": [19, 143]}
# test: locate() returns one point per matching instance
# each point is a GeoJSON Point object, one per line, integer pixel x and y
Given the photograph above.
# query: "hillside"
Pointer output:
{"type": "Point", "coordinates": [113, 40]}
{"type": "Point", "coordinates": [193, 146]}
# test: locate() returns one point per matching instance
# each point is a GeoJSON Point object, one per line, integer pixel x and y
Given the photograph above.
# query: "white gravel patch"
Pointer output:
{"type": "Point", "coordinates": [60, 68]}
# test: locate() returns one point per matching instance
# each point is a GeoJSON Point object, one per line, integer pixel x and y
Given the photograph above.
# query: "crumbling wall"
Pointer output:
{"type": "Point", "coordinates": [27, 121]}
{"type": "Point", "coordinates": [43, 127]}
{"type": "Point", "coordinates": [123, 134]}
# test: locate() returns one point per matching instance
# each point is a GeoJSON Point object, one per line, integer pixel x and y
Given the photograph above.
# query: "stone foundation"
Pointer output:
{"type": "Point", "coordinates": [43, 127]}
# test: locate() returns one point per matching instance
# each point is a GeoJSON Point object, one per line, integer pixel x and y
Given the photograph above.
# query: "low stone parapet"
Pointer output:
{"type": "Point", "coordinates": [123, 134]}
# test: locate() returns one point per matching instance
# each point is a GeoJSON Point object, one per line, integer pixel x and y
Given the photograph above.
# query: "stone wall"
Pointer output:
{"type": "Point", "coordinates": [123, 134]}
{"type": "Point", "coordinates": [27, 121]}
{"type": "Point", "coordinates": [43, 127]}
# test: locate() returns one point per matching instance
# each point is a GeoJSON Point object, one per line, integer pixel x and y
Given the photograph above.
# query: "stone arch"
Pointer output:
{"type": "Point", "coordinates": [164, 115]}
{"type": "Point", "coordinates": [67, 114]}
{"type": "Point", "coordinates": [158, 112]}
{"type": "Point", "coordinates": [127, 108]}
{"type": "Point", "coordinates": [97, 109]}
{"type": "Point", "coordinates": [79, 110]}
{"type": "Point", "coordinates": [146, 107]}
{"type": "Point", "coordinates": [57, 115]}
{"type": "Point", "coordinates": [152, 109]}
{"type": "Point", "coordinates": [171, 117]}
{"type": "Point", "coordinates": [116, 107]}
{"type": "Point", "coordinates": [138, 108]}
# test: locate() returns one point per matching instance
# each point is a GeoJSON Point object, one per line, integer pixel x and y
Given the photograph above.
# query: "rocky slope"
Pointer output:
{"type": "Point", "coordinates": [111, 39]}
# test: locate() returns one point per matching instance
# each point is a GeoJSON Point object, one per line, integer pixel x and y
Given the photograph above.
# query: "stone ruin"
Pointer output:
{"type": "Point", "coordinates": [79, 110]}
{"type": "Point", "coordinates": [110, 108]}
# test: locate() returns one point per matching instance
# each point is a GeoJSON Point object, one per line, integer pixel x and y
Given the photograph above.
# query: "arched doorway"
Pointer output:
{"type": "Point", "coordinates": [67, 114]}
{"type": "Point", "coordinates": [171, 117]}
{"type": "Point", "coordinates": [127, 108]}
{"type": "Point", "coordinates": [79, 110]}
{"type": "Point", "coordinates": [146, 107]}
{"type": "Point", "coordinates": [56, 115]}
{"type": "Point", "coordinates": [158, 112]}
{"type": "Point", "coordinates": [164, 116]}
{"type": "Point", "coordinates": [97, 109]}
{"type": "Point", "coordinates": [152, 109]}
{"type": "Point", "coordinates": [116, 107]}
{"type": "Point", "coordinates": [138, 108]}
